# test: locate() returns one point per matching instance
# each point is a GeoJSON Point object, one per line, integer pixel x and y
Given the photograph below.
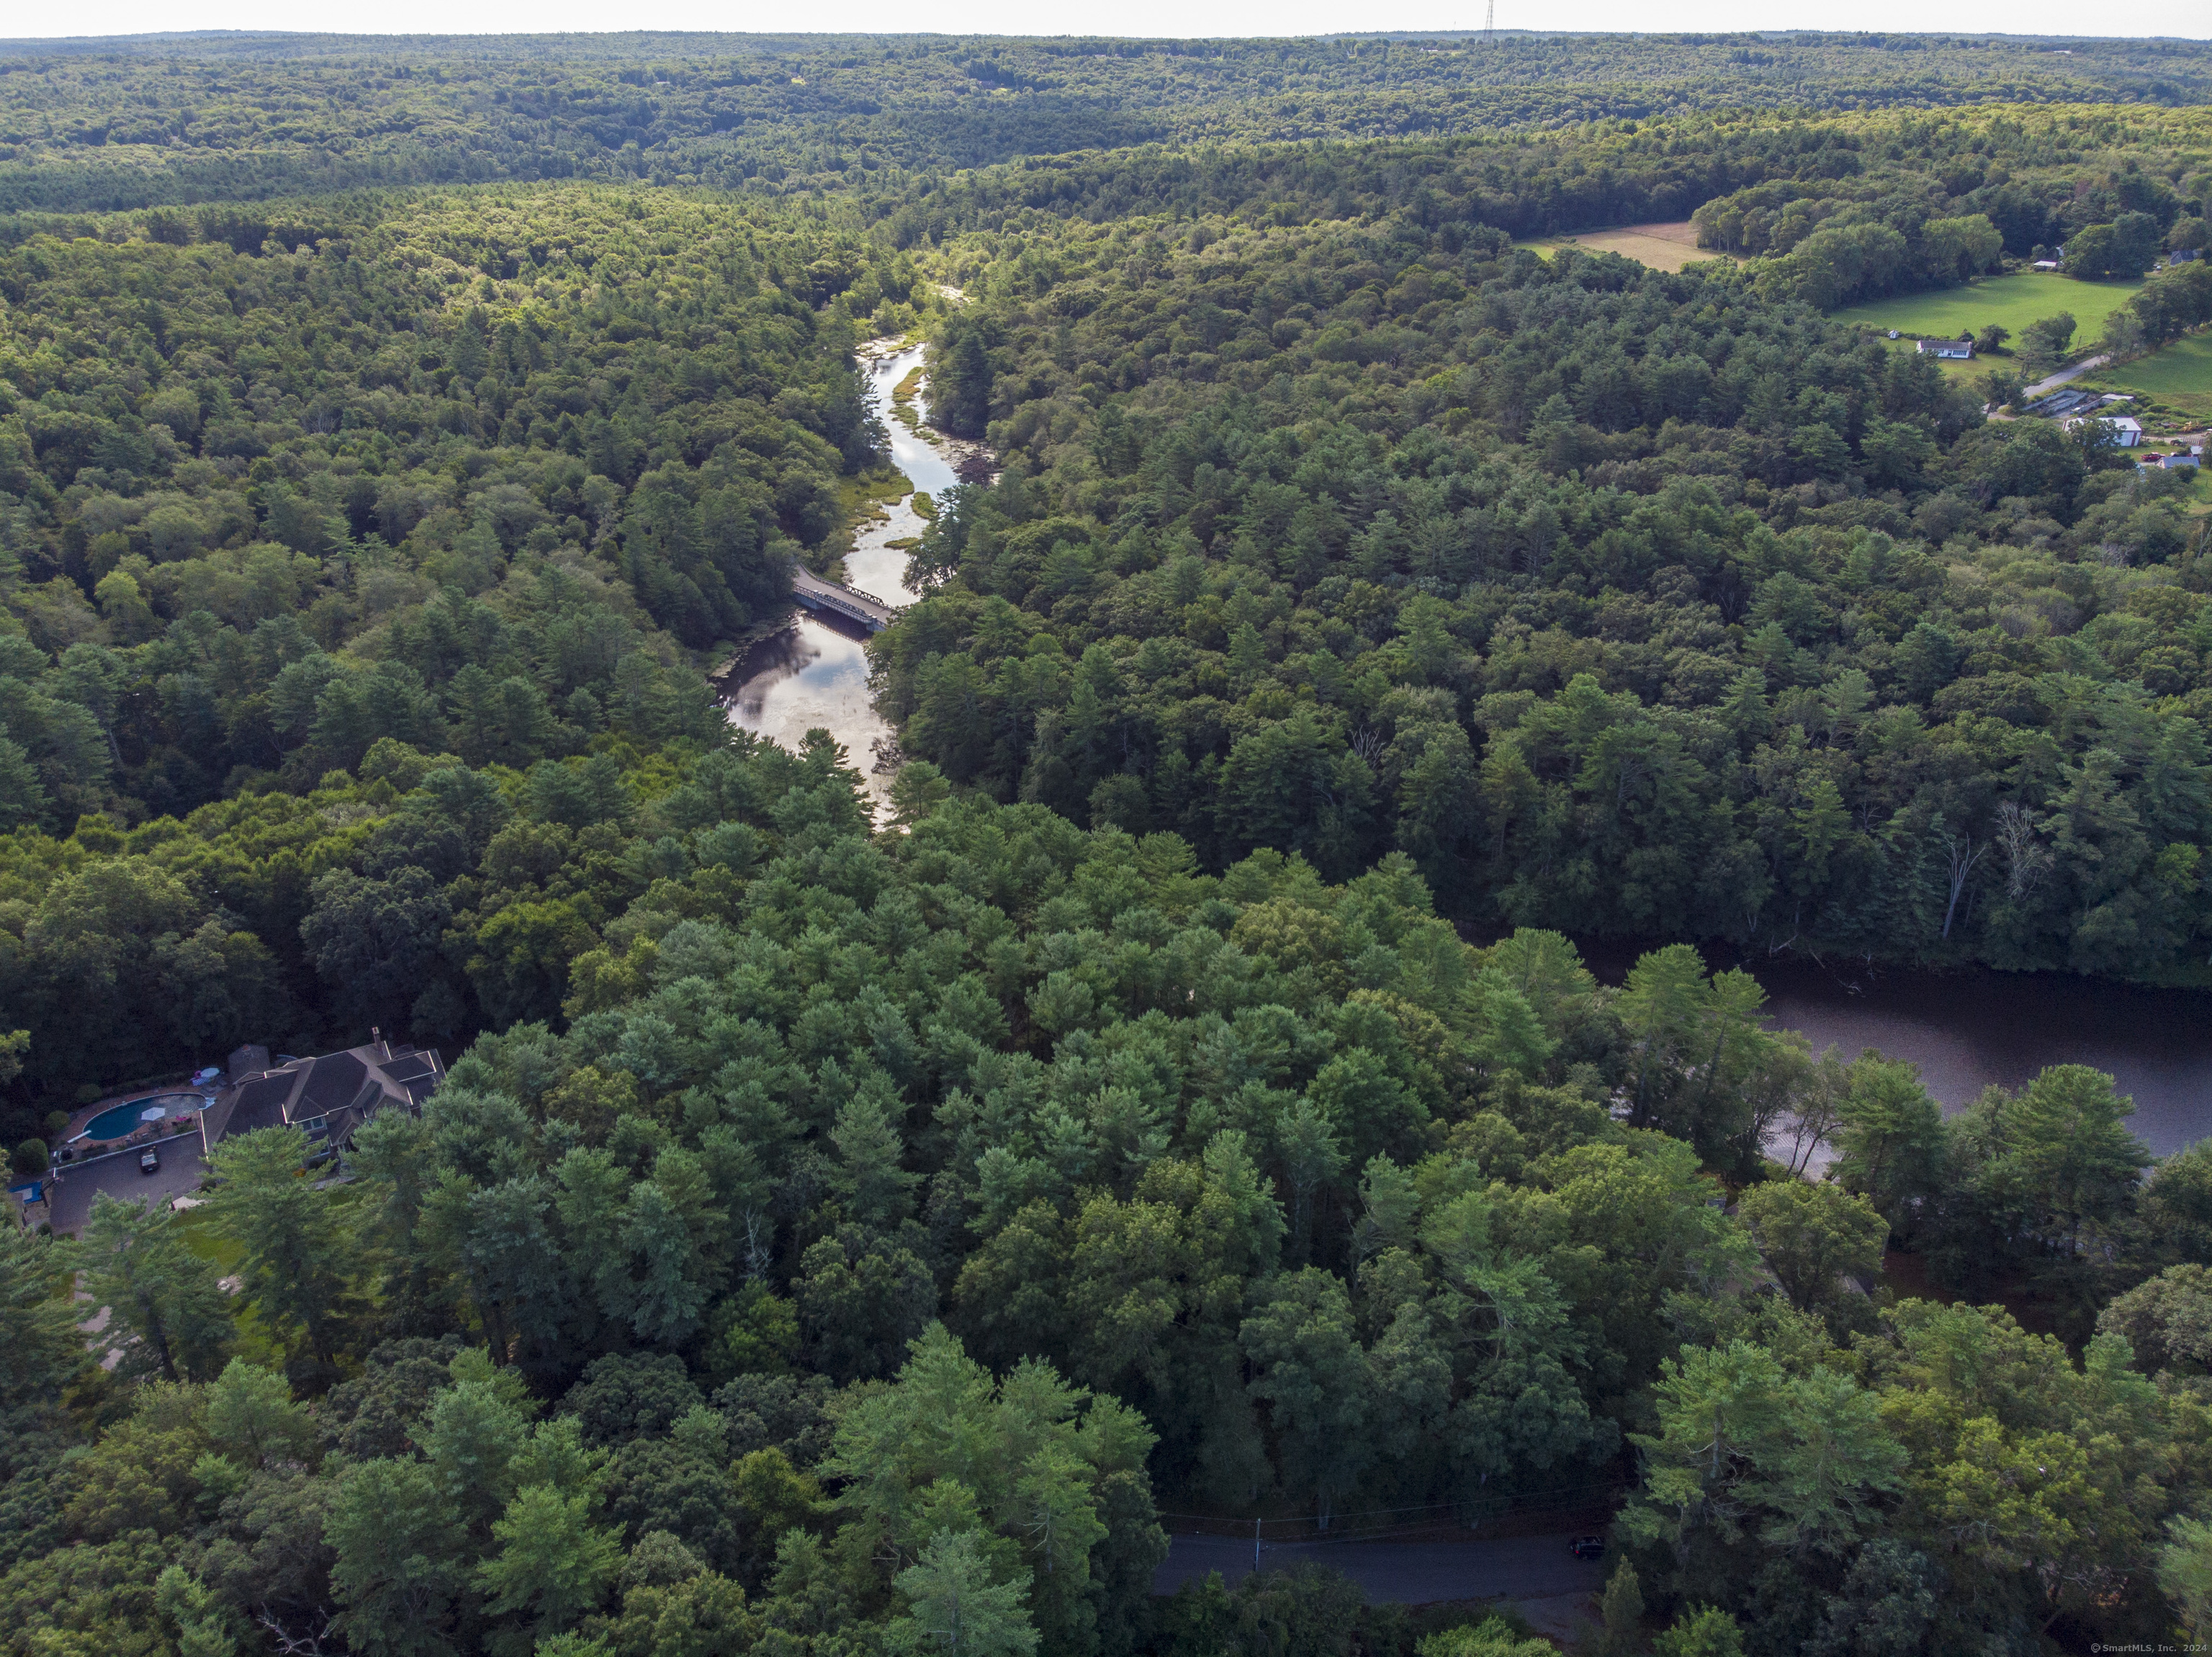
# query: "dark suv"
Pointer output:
{"type": "Point", "coordinates": [1589, 1547]}
{"type": "Point", "coordinates": [149, 1160]}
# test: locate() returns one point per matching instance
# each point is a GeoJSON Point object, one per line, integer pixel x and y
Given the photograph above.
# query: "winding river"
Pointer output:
{"type": "Point", "coordinates": [814, 674]}
{"type": "Point", "coordinates": [1965, 1030]}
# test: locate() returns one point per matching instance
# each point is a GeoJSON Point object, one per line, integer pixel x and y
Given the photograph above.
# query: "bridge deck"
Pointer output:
{"type": "Point", "coordinates": [811, 590]}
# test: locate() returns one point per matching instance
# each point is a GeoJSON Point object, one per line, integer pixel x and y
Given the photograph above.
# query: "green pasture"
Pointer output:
{"type": "Point", "coordinates": [2011, 301]}
{"type": "Point", "coordinates": [2179, 377]}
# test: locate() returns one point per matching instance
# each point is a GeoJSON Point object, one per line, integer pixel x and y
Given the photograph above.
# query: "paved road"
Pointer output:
{"type": "Point", "coordinates": [1409, 1573]}
{"type": "Point", "coordinates": [2041, 386]}
{"type": "Point", "coordinates": [68, 1198]}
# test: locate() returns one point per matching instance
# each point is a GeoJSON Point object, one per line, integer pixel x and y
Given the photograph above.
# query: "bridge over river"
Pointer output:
{"type": "Point", "coordinates": [813, 675]}
{"type": "Point", "coordinates": [815, 594]}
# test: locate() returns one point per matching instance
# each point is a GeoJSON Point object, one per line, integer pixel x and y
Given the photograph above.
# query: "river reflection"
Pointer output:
{"type": "Point", "coordinates": [814, 674]}
{"type": "Point", "coordinates": [1968, 1030]}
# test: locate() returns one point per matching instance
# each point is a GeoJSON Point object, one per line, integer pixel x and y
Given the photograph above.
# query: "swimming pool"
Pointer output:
{"type": "Point", "coordinates": [117, 1121]}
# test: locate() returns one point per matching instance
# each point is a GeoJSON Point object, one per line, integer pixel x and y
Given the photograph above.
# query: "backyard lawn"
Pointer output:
{"type": "Point", "coordinates": [255, 1342]}
{"type": "Point", "coordinates": [205, 1241]}
{"type": "Point", "coordinates": [2011, 301]}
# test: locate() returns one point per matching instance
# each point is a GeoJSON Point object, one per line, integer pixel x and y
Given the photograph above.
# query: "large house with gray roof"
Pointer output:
{"type": "Point", "coordinates": [327, 1097]}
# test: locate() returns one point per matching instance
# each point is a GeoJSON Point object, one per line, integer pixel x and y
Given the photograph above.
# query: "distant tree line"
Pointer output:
{"type": "Point", "coordinates": [120, 125]}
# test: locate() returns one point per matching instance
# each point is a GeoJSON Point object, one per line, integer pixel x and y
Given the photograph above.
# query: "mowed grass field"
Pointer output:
{"type": "Point", "coordinates": [2011, 301]}
{"type": "Point", "coordinates": [1662, 247]}
{"type": "Point", "coordinates": [2179, 377]}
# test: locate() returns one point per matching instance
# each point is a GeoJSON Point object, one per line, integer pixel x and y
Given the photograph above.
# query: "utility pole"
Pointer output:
{"type": "Point", "coordinates": [1256, 1545]}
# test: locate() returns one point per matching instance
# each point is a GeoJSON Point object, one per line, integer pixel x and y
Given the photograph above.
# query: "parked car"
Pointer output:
{"type": "Point", "coordinates": [149, 1160]}
{"type": "Point", "coordinates": [1589, 1547]}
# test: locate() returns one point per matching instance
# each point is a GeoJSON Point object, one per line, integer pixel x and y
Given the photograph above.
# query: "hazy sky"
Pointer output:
{"type": "Point", "coordinates": [1127, 17]}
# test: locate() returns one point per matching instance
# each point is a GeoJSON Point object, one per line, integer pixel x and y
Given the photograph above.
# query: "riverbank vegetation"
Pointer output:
{"type": "Point", "coordinates": [1619, 600]}
{"type": "Point", "coordinates": [268, 510]}
{"type": "Point", "coordinates": [833, 1229]}
{"type": "Point", "coordinates": [1250, 1189]}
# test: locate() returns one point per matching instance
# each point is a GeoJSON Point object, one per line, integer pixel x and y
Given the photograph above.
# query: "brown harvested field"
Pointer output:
{"type": "Point", "coordinates": [1662, 247]}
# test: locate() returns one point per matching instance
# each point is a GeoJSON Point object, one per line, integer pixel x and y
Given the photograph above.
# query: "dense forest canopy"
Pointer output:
{"type": "Point", "coordinates": [848, 1234]}
{"type": "Point", "coordinates": [2083, 163]}
{"type": "Point", "coordinates": [1250, 1188]}
{"type": "Point", "coordinates": [268, 509]}
{"type": "Point", "coordinates": [186, 117]}
{"type": "Point", "coordinates": [1623, 601]}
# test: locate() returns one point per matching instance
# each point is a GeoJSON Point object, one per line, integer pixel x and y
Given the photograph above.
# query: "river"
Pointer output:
{"type": "Point", "coordinates": [814, 674]}
{"type": "Point", "coordinates": [1967, 1030]}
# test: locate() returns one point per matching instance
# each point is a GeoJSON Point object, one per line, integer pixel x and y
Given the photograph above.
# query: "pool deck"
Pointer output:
{"type": "Point", "coordinates": [132, 1115]}
{"type": "Point", "coordinates": [80, 1120]}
